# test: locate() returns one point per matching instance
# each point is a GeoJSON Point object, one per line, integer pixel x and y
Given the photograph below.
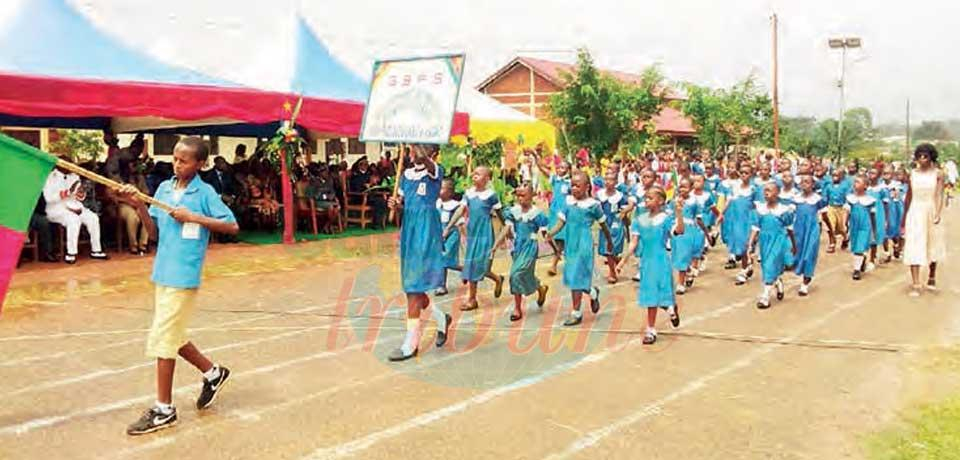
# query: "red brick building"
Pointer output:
{"type": "Point", "coordinates": [526, 83]}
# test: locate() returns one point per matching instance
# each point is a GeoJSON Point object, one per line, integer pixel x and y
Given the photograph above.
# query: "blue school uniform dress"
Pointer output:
{"type": "Point", "coordinates": [806, 232]}
{"type": "Point", "coordinates": [656, 277]}
{"type": "Point", "coordinates": [579, 215]}
{"type": "Point", "coordinates": [735, 230]}
{"type": "Point", "coordinates": [776, 252]}
{"type": "Point", "coordinates": [421, 246]}
{"type": "Point", "coordinates": [480, 205]}
{"type": "Point", "coordinates": [637, 193]}
{"type": "Point", "coordinates": [789, 197]}
{"type": "Point", "coordinates": [758, 185]}
{"type": "Point", "coordinates": [182, 247]}
{"type": "Point", "coordinates": [898, 193]}
{"type": "Point", "coordinates": [561, 188]}
{"type": "Point", "coordinates": [861, 228]}
{"type": "Point", "coordinates": [707, 201]}
{"type": "Point", "coordinates": [882, 195]}
{"type": "Point", "coordinates": [688, 246]}
{"type": "Point", "coordinates": [612, 206]}
{"type": "Point", "coordinates": [526, 226]}
{"type": "Point", "coordinates": [451, 245]}
{"type": "Point", "coordinates": [712, 182]}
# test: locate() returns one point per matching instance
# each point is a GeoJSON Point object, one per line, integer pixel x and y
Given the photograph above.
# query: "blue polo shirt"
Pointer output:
{"type": "Point", "coordinates": [180, 252]}
{"type": "Point", "coordinates": [836, 193]}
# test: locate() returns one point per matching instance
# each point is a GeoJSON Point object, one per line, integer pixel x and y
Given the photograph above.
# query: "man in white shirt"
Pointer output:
{"type": "Point", "coordinates": [64, 196]}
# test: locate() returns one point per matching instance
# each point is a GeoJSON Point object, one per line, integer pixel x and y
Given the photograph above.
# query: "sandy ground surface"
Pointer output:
{"type": "Point", "coordinates": [306, 331]}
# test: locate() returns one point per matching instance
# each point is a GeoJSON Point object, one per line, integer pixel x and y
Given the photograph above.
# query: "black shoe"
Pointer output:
{"type": "Point", "coordinates": [674, 317]}
{"type": "Point", "coordinates": [397, 355]}
{"type": "Point", "coordinates": [210, 389]}
{"type": "Point", "coordinates": [595, 302]}
{"type": "Point", "coordinates": [857, 275]}
{"type": "Point", "coordinates": [730, 265]}
{"type": "Point", "coordinates": [498, 287]}
{"type": "Point", "coordinates": [542, 295]}
{"type": "Point", "coordinates": [442, 335]}
{"type": "Point", "coordinates": [650, 338]}
{"type": "Point", "coordinates": [152, 420]}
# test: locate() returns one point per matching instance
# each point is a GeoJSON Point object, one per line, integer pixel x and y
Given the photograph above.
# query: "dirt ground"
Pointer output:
{"type": "Point", "coordinates": [306, 330]}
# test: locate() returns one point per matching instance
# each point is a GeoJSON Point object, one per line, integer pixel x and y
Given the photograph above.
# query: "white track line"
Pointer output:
{"type": "Point", "coordinates": [595, 436]}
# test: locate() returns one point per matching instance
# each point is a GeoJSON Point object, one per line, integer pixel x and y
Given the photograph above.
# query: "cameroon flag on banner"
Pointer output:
{"type": "Point", "coordinates": [23, 171]}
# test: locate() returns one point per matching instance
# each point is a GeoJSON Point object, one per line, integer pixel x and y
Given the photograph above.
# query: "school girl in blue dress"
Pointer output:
{"type": "Point", "coordinates": [709, 214]}
{"type": "Point", "coordinates": [650, 232]}
{"type": "Point", "coordinates": [735, 226]}
{"type": "Point", "coordinates": [761, 180]}
{"type": "Point", "coordinates": [524, 223]}
{"type": "Point", "coordinates": [895, 215]}
{"type": "Point", "coordinates": [447, 206]}
{"type": "Point", "coordinates": [481, 203]}
{"type": "Point", "coordinates": [560, 189]}
{"type": "Point", "coordinates": [688, 246]}
{"type": "Point", "coordinates": [773, 230]}
{"type": "Point", "coordinates": [614, 204]}
{"type": "Point", "coordinates": [810, 206]}
{"type": "Point", "coordinates": [862, 225]}
{"type": "Point", "coordinates": [577, 219]}
{"type": "Point", "coordinates": [788, 188]}
{"type": "Point", "coordinates": [879, 191]}
{"type": "Point", "coordinates": [421, 249]}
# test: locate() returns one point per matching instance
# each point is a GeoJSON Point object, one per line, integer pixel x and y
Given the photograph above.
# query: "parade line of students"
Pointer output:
{"type": "Point", "coordinates": [770, 214]}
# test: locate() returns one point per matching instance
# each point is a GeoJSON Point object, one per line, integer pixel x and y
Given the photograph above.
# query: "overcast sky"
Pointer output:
{"type": "Point", "coordinates": [909, 47]}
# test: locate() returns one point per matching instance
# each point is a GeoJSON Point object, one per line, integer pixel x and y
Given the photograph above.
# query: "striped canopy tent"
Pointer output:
{"type": "Point", "coordinates": [58, 69]}
{"type": "Point", "coordinates": [490, 120]}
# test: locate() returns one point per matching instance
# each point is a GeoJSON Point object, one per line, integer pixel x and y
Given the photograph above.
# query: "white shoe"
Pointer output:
{"type": "Point", "coordinates": [635, 277]}
{"type": "Point", "coordinates": [870, 267]}
{"type": "Point", "coordinates": [681, 290]}
{"type": "Point", "coordinates": [804, 290]}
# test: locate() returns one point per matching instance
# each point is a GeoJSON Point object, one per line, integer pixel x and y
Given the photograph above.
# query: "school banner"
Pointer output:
{"type": "Point", "coordinates": [413, 100]}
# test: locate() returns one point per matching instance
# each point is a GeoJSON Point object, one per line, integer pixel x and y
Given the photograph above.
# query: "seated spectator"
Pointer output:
{"type": "Point", "coordinates": [64, 194]}
{"type": "Point", "coordinates": [40, 224]}
{"type": "Point", "coordinates": [137, 233]}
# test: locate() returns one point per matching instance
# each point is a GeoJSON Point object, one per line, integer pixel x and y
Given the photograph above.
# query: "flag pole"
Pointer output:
{"type": "Point", "coordinates": [64, 164]}
{"type": "Point", "coordinates": [396, 183]}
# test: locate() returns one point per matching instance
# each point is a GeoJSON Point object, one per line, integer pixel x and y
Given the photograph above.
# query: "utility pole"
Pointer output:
{"type": "Point", "coordinates": [842, 44]}
{"type": "Point", "coordinates": [776, 92]}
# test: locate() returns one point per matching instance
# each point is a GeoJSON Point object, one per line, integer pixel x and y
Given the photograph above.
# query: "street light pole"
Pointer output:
{"type": "Point", "coordinates": [842, 44]}
{"type": "Point", "coordinates": [776, 92]}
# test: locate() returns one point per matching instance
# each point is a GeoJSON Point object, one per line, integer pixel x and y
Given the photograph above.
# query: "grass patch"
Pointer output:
{"type": "Point", "coordinates": [275, 237]}
{"type": "Point", "coordinates": [932, 434]}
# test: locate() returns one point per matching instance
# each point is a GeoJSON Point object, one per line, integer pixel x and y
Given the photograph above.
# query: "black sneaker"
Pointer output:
{"type": "Point", "coordinates": [442, 335]}
{"type": "Point", "coordinates": [857, 275]}
{"type": "Point", "coordinates": [152, 420]}
{"type": "Point", "coordinates": [210, 389]}
{"type": "Point", "coordinates": [595, 301]}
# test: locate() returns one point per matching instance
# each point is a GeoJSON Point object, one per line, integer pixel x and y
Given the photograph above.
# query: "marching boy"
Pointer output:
{"type": "Point", "coordinates": [183, 236]}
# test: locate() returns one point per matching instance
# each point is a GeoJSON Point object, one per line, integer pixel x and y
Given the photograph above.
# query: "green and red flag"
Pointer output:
{"type": "Point", "coordinates": [23, 171]}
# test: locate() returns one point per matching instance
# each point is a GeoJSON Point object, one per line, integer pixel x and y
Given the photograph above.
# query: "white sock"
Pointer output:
{"type": "Point", "coordinates": [577, 314]}
{"type": "Point", "coordinates": [858, 262]}
{"type": "Point", "coordinates": [440, 317]}
{"type": "Point", "coordinates": [651, 330]}
{"type": "Point", "coordinates": [212, 374]}
{"type": "Point", "coordinates": [594, 293]}
{"type": "Point", "coordinates": [412, 341]}
{"type": "Point", "coordinates": [164, 409]}
{"type": "Point", "coordinates": [766, 290]}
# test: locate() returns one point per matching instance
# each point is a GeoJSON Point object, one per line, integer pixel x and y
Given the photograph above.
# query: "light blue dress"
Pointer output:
{"type": "Point", "coordinates": [656, 278]}
{"type": "Point", "coordinates": [758, 185]}
{"type": "Point", "coordinates": [421, 249]}
{"type": "Point", "coordinates": [712, 182]}
{"type": "Point", "coordinates": [526, 226]}
{"type": "Point", "coordinates": [806, 231]}
{"type": "Point", "coordinates": [561, 188]}
{"type": "Point", "coordinates": [739, 213]}
{"type": "Point", "coordinates": [776, 252]}
{"type": "Point", "coordinates": [580, 216]}
{"type": "Point", "coordinates": [898, 193]}
{"type": "Point", "coordinates": [707, 201]}
{"type": "Point", "coordinates": [688, 246]}
{"type": "Point", "coordinates": [476, 258]}
{"type": "Point", "coordinates": [882, 195]}
{"type": "Point", "coordinates": [637, 193]}
{"type": "Point", "coordinates": [451, 245]}
{"type": "Point", "coordinates": [861, 227]}
{"type": "Point", "coordinates": [612, 206]}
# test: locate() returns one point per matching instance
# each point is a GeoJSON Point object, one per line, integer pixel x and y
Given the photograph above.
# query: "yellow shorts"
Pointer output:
{"type": "Point", "coordinates": [173, 308]}
{"type": "Point", "coordinates": [837, 216]}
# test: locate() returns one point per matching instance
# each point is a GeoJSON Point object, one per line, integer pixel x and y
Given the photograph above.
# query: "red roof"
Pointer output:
{"type": "Point", "coordinates": [672, 121]}
{"type": "Point", "coordinates": [553, 71]}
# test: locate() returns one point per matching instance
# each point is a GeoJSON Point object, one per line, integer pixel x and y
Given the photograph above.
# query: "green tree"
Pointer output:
{"type": "Point", "coordinates": [796, 134]}
{"type": "Point", "coordinates": [78, 145]}
{"type": "Point", "coordinates": [931, 131]}
{"type": "Point", "coordinates": [602, 113]}
{"type": "Point", "coordinates": [741, 114]}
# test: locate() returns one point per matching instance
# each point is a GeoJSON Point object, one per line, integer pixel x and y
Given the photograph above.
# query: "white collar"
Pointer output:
{"type": "Point", "coordinates": [418, 174]}
{"type": "Point", "coordinates": [603, 197]}
{"type": "Point", "coordinates": [483, 195]}
{"type": "Point", "coordinates": [777, 210]}
{"type": "Point", "coordinates": [451, 205]}
{"type": "Point", "coordinates": [656, 219]}
{"type": "Point", "coordinates": [865, 200]}
{"type": "Point", "coordinates": [518, 213]}
{"type": "Point", "coordinates": [584, 203]}
{"type": "Point", "coordinates": [740, 190]}
{"type": "Point", "coordinates": [814, 198]}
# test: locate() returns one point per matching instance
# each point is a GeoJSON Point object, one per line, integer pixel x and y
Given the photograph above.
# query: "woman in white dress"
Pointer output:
{"type": "Point", "coordinates": [924, 235]}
